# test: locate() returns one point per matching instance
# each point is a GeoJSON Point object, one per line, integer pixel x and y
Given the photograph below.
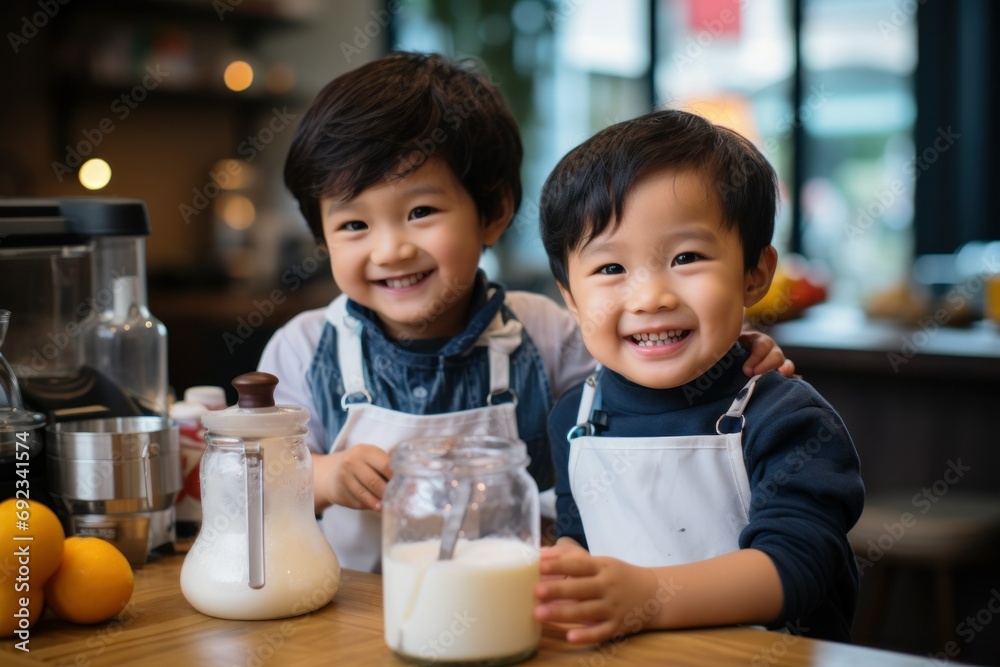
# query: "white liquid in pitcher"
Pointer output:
{"type": "Point", "coordinates": [301, 574]}
{"type": "Point", "coordinates": [477, 606]}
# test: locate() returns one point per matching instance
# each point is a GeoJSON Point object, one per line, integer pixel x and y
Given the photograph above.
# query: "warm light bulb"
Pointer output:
{"type": "Point", "coordinates": [95, 174]}
{"type": "Point", "coordinates": [235, 210]}
{"type": "Point", "coordinates": [238, 75]}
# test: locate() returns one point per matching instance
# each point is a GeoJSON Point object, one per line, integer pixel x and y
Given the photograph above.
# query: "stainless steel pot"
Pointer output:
{"type": "Point", "coordinates": [117, 479]}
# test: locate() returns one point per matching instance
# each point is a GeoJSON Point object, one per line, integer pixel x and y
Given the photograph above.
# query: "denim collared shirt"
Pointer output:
{"type": "Point", "coordinates": [454, 378]}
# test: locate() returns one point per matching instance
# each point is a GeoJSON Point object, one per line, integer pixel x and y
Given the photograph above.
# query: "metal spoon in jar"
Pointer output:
{"type": "Point", "coordinates": [455, 517]}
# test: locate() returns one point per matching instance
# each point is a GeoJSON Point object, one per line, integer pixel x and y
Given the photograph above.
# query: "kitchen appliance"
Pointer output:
{"type": "Point", "coordinates": [117, 479]}
{"type": "Point", "coordinates": [86, 351]}
{"type": "Point", "coordinates": [73, 273]}
{"type": "Point", "coordinates": [21, 463]}
{"type": "Point", "coordinates": [260, 553]}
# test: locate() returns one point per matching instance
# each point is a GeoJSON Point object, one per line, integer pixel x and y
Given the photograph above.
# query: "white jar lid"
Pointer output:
{"type": "Point", "coordinates": [255, 415]}
{"type": "Point", "coordinates": [213, 398]}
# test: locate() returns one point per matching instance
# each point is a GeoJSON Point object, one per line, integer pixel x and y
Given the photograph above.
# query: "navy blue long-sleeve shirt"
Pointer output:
{"type": "Point", "coordinates": [806, 488]}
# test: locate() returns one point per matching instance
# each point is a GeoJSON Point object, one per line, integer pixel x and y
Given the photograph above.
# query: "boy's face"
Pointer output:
{"type": "Point", "coordinates": [409, 249]}
{"type": "Point", "coordinates": [660, 300]}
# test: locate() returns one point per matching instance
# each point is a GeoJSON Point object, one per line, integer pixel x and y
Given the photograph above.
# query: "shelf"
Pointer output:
{"type": "Point", "coordinates": [838, 337]}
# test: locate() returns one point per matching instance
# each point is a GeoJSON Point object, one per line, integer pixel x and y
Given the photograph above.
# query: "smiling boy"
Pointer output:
{"type": "Point", "coordinates": [405, 169]}
{"type": "Point", "coordinates": [673, 472]}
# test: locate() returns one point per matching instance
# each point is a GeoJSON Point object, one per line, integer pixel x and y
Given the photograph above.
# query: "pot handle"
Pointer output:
{"type": "Point", "coordinates": [255, 513]}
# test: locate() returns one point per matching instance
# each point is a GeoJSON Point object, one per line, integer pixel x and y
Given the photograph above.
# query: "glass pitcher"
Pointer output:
{"type": "Point", "coordinates": [460, 551]}
{"type": "Point", "coordinates": [260, 553]}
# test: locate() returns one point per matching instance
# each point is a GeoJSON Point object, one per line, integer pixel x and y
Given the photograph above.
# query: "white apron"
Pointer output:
{"type": "Point", "coordinates": [660, 500]}
{"type": "Point", "coordinates": [356, 535]}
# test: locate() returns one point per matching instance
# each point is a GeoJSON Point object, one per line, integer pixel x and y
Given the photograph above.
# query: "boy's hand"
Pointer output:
{"type": "Point", "coordinates": [355, 477]}
{"type": "Point", "coordinates": [765, 355]}
{"type": "Point", "coordinates": [607, 596]}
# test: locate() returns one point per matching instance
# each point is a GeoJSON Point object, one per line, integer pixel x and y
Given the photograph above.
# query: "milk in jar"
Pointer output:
{"type": "Point", "coordinates": [476, 607]}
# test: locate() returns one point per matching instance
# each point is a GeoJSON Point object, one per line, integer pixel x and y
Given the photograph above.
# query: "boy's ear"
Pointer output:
{"type": "Point", "coordinates": [496, 224]}
{"type": "Point", "coordinates": [570, 302]}
{"type": "Point", "coordinates": [757, 280]}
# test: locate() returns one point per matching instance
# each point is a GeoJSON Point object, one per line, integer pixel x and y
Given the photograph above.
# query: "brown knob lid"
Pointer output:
{"type": "Point", "coordinates": [256, 389]}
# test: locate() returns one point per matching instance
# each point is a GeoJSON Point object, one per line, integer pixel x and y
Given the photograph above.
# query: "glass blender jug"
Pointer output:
{"type": "Point", "coordinates": [260, 553]}
{"type": "Point", "coordinates": [73, 272]}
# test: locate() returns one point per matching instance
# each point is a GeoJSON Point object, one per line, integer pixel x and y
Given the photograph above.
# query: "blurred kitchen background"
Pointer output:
{"type": "Point", "coordinates": [879, 116]}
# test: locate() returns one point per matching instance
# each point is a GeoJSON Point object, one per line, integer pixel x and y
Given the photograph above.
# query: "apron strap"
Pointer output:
{"type": "Point", "coordinates": [589, 401]}
{"type": "Point", "coordinates": [501, 338]}
{"type": "Point", "coordinates": [349, 355]}
{"type": "Point", "coordinates": [739, 405]}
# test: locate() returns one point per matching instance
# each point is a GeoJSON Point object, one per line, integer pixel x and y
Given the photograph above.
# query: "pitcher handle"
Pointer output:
{"type": "Point", "coordinates": [255, 513]}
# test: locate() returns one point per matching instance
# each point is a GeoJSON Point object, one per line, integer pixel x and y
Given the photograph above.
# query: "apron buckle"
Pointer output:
{"type": "Point", "coordinates": [347, 400]}
{"type": "Point", "coordinates": [718, 424]}
{"type": "Point", "coordinates": [491, 398]}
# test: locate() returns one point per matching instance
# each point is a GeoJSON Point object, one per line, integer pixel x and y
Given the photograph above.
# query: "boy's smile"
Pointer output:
{"type": "Point", "coordinates": [660, 299]}
{"type": "Point", "coordinates": [409, 249]}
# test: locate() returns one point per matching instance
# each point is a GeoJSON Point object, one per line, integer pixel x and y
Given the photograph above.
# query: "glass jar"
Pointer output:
{"type": "Point", "coordinates": [260, 553]}
{"type": "Point", "coordinates": [475, 607]}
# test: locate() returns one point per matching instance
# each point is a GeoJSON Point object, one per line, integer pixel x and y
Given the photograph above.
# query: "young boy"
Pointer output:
{"type": "Point", "coordinates": [405, 168]}
{"type": "Point", "coordinates": [685, 495]}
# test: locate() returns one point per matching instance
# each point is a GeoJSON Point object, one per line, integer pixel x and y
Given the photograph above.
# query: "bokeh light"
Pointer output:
{"type": "Point", "coordinates": [238, 75]}
{"type": "Point", "coordinates": [94, 174]}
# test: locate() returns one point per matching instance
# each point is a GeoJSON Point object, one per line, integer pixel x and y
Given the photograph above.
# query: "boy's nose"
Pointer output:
{"type": "Point", "coordinates": [391, 246]}
{"type": "Point", "coordinates": [649, 293]}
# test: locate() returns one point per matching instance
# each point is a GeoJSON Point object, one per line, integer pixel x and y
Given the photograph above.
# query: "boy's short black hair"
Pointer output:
{"type": "Point", "coordinates": [385, 119]}
{"type": "Point", "coordinates": [587, 190]}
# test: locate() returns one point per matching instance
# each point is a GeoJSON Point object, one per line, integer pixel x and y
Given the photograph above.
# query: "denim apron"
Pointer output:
{"type": "Point", "coordinates": [356, 535]}
{"type": "Point", "coordinates": [667, 500]}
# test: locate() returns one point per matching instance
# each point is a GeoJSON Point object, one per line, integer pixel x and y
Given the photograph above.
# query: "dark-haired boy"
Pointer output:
{"type": "Point", "coordinates": [405, 168]}
{"type": "Point", "coordinates": [683, 491]}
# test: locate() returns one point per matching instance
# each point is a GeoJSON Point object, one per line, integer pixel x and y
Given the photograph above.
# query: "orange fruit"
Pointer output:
{"type": "Point", "coordinates": [14, 613]}
{"type": "Point", "coordinates": [44, 550]}
{"type": "Point", "coordinates": [26, 564]}
{"type": "Point", "coordinates": [94, 581]}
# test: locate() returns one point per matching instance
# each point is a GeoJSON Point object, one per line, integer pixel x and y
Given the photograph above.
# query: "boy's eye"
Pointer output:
{"type": "Point", "coordinates": [421, 212]}
{"type": "Point", "coordinates": [611, 269]}
{"type": "Point", "coordinates": [353, 226]}
{"type": "Point", "coordinates": [686, 258]}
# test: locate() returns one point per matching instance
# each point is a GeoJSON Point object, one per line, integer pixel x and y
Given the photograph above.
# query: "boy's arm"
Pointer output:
{"type": "Point", "coordinates": [612, 598]}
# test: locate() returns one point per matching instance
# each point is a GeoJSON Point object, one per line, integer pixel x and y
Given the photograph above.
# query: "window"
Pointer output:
{"type": "Point", "coordinates": [828, 89]}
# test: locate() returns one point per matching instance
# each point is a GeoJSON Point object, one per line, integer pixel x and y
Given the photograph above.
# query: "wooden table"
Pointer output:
{"type": "Point", "coordinates": [159, 627]}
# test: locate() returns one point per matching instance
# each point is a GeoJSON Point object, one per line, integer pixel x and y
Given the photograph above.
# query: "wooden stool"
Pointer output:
{"type": "Point", "coordinates": [926, 531]}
